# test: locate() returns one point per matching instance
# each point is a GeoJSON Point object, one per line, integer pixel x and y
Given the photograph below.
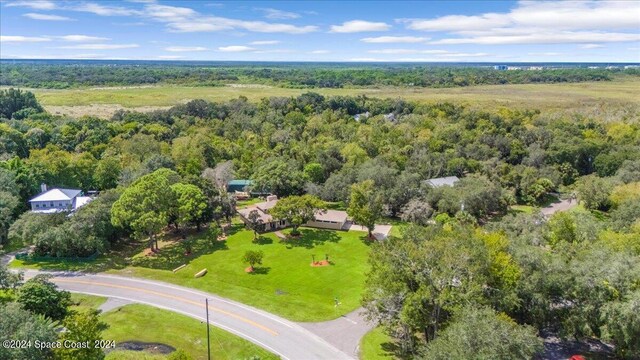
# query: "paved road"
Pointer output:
{"type": "Point", "coordinates": [344, 332]}
{"type": "Point", "coordinates": [279, 336]}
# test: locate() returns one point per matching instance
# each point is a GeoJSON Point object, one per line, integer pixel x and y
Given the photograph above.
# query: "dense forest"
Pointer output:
{"type": "Point", "coordinates": [467, 267]}
{"type": "Point", "coordinates": [74, 75]}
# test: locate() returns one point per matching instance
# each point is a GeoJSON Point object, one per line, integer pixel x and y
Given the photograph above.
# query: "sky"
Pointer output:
{"type": "Point", "coordinates": [409, 31]}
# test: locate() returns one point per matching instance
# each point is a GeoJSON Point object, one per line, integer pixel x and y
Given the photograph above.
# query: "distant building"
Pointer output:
{"type": "Point", "coordinates": [443, 181]}
{"type": "Point", "coordinates": [56, 199]}
{"type": "Point", "coordinates": [329, 219]}
{"type": "Point", "coordinates": [238, 185]}
{"type": "Point", "coordinates": [358, 117]}
{"type": "Point", "coordinates": [243, 189]}
{"type": "Point", "coordinates": [500, 67]}
{"type": "Point", "coordinates": [390, 117]}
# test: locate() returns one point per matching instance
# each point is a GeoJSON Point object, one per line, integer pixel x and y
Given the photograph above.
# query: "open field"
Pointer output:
{"type": "Point", "coordinates": [285, 283]}
{"type": "Point", "coordinates": [105, 101]}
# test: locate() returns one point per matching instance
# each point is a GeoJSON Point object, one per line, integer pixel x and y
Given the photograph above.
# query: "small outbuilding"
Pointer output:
{"type": "Point", "coordinates": [239, 185]}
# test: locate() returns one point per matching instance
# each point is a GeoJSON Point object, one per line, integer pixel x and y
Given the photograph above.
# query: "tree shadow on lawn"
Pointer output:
{"type": "Point", "coordinates": [263, 240]}
{"type": "Point", "coordinates": [114, 259]}
{"type": "Point", "coordinates": [234, 228]}
{"type": "Point", "coordinates": [309, 238]}
{"type": "Point", "coordinates": [262, 270]}
{"type": "Point", "coordinates": [391, 349]}
{"type": "Point", "coordinates": [172, 256]}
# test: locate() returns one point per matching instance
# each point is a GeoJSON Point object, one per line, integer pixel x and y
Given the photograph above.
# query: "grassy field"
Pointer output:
{"type": "Point", "coordinates": [147, 324]}
{"type": "Point", "coordinates": [376, 345]}
{"type": "Point", "coordinates": [104, 101]}
{"type": "Point", "coordinates": [285, 284]}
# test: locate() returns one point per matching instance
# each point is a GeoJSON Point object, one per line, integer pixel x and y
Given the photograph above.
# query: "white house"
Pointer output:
{"type": "Point", "coordinates": [56, 199]}
{"type": "Point", "coordinates": [443, 181]}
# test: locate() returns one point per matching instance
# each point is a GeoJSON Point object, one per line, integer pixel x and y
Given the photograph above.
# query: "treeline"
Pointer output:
{"type": "Point", "coordinates": [312, 144]}
{"type": "Point", "coordinates": [467, 276]}
{"type": "Point", "coordinates": [301, 76]}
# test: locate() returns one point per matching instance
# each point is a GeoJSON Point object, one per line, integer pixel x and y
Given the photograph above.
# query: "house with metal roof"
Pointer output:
{"type": "Point", "coordinates": [243, 188]}
{"type": "Point", "coordinates": [325, 219]}
{"type": "Point", "coordinates": [443, 181]}
{"type": "Point", "coordinates": [57, 199]}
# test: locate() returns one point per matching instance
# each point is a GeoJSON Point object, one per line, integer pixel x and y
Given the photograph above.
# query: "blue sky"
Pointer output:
{"type": "Point", "coordinates": [496, 31]}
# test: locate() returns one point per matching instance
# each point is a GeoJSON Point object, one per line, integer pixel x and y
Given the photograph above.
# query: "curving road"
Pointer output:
{"type": "Point", "coordinates": [277, 335]}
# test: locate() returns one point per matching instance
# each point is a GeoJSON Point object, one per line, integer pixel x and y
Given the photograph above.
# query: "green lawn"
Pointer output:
{"type": "Point", "coordinates": [82, 301]}
{"type": "Point", "coordinates": [522, 209]}
{"type": "Point", "coordinates": [376, 345]}
{"type": "Point", "coordinates": [285, 284]}
{"type": "Point", "coordinates": [147, 324]}
{"type": "Point", "coordinates": [251, 201]}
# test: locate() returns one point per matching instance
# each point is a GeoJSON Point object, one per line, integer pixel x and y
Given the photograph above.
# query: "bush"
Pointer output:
{"type": "Point", "coordinates": [41, 296]}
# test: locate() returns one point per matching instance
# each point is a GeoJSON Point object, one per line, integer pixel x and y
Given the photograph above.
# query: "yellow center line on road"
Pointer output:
{"type": "Point", "coordinates": [178, 298]}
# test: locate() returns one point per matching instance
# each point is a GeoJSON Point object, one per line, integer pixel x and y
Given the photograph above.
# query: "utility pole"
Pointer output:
{"type": "Point", "coordinates": [208, 340]}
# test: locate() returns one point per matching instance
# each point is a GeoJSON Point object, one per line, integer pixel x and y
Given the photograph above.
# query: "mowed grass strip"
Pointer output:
{"type": "Point", "coordinates": [136, 322]}
{"type": "Point", "coordinates": [285, 284]}
{"type": "Point", "coordinates": [376, 345]}
{"type": "Point", "coordinates": [148, 324]}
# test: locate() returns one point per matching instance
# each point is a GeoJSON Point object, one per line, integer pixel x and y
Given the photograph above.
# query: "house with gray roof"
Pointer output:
{"type": "Point", "coordinates": [58, 199]}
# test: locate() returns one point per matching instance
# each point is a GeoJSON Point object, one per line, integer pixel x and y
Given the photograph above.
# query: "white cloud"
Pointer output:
{"type": "Point", "coordinates": [432, 52]}
{"type": "Point", "coordinates": [57, 56]}
{"type": "Point", "coordinates": [458, 22]}
{"type": "Point", "coordinates": [459, 55]}
{"type": "Point", "coordinates": [235, 48]}
{"type": "Point", "coordinates": [319, 52]}
{"type": "Point", "coordinates": [22, 39]}
{"type": "Point", "coordinates": [185, 48]}
{"type": "Point", "coordinates": [48, 17]}
{"type": "Point", "coordinates": [354, 26]}
{"type": "Point", "coordinates": [265, 42]}
{"type": "Point", "coordinates": [276, 14]}
{"type": "Point", "coordinates": [545, 53]}
{"type": "Point", "coordinates": [182, 19]}
{"type": "Point", "coordinates": [533, 22]}
{"type": "Point", "coordinates": [105, 10]}
{"type": "Point", "coordinates": [274, 51]}
{"type": "Point", "coordinates": [591, 46]}
{"type": "Point", "coordinates": [169, 13]}
{"type": "Point", "coordinates": [81, 38]}
{"type": "Point", "coordinates": [394, 39]}
{"type": "Point", "coordinates": [366, 60]}
{"type": "Point", "coordinates": [408, 51]}
{"type": "Point", "coordinates": [206, 24]}
{"type": "Point", "coordinates": [35, 4]}
{"type": "Point", "coordinates": [543, 38]}
{"type": "Point", "coordinates": [100, 46]}
{"type": "Point", "coordinates": [170, 57]}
